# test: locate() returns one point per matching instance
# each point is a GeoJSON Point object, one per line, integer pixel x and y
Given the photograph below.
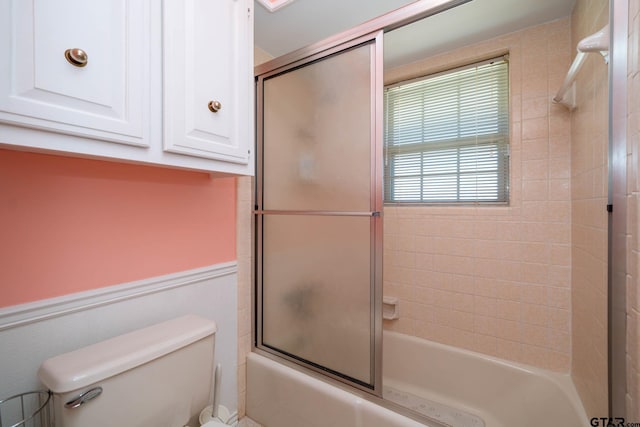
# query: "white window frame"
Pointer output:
{"type": "Point", "coordinates": [423, 141]}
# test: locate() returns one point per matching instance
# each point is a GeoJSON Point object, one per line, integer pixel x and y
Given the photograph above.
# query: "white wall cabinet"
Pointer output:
{"type": "Point", "coordinates": [104, 98]}
{"type": "Point", "coordinates": [205, 95]}
{"type": "Point", "coordinates": [149, 68]}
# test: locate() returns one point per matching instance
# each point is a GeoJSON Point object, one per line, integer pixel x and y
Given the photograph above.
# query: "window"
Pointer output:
{"type": "Point", "coordinates": [447, 136]}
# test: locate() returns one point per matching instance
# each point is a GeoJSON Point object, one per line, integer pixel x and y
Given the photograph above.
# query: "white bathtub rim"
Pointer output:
{"type": "Point", "coordinates": [359, 400]}
{"type": "Point", "coordinates": [562, 380]}
{"type": "Point", "coordinates": [503, 362]}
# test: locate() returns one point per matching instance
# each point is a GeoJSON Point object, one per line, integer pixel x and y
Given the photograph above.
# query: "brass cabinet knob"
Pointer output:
{"type": "Point", "coordinates": [76, 57]}
{"type": "Point", "coordinates": [214, 106]}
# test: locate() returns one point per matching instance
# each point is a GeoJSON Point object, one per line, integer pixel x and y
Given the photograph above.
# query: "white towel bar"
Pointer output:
{"type": "Point", "coordinates": [597, 42]}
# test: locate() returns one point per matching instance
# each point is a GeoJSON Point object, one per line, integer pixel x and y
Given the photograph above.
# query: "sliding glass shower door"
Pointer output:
{"type": "Point", "coordinates": [318, 205]}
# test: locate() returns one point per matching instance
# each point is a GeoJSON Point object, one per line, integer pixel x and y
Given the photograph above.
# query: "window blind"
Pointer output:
{"type": "Point", "coordinates": [447, 136]}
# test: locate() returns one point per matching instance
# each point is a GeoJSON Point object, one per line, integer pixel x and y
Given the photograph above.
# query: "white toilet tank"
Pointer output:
{"type": "Point", "coordinates": [158, 376]}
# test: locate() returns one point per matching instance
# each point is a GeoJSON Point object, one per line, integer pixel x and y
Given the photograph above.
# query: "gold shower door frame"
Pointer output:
{"type": "Point", "coordinates": [266, 213]}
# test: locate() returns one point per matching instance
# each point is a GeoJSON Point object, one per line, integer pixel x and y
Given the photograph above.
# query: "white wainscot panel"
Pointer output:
{"type": "Point", "coordinates": [31, 333]}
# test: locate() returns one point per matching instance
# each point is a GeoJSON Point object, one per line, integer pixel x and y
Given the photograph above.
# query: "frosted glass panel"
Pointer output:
{"type": "Point", "coordinates": [317, 135]}
{"type": "Point", "coordinates": [317, 290]}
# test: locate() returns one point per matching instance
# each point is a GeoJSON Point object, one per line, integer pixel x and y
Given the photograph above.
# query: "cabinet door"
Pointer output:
{"type": "Point", "coordinates": [207, 80]}
{"type": "Point", "coordinates": [39, 87]}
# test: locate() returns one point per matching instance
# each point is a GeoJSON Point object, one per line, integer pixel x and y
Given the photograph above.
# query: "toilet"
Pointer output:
{"type": "Point", "coordinates": [159, 376]}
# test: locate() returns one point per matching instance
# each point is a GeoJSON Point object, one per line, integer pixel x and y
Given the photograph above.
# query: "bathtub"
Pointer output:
{"type": "Point", "coordinates": [435, 379]}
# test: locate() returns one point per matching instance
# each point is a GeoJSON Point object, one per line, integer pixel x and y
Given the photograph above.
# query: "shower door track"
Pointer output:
{"type": "Point", "coordinates": [318, 213]}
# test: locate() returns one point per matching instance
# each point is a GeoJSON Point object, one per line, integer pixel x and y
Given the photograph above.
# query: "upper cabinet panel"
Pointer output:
{"type": "Point", "coordinates": [207, 78]}
{"type": "Point", "coordinates": [78, 67]}
{"type": "Point", "coordinates": [159, 82]}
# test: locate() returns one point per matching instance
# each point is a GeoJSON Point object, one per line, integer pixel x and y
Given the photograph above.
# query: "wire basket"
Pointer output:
{"type": "Point", "coordinates": [31, 409]}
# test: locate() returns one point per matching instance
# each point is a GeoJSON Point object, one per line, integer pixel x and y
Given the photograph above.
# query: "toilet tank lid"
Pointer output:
{"type": "Point", "coordinates": [88, 365]}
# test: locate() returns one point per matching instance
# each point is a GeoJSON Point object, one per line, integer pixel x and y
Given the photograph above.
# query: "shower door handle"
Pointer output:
{"type": "Point", "coordinates": [318, 213]}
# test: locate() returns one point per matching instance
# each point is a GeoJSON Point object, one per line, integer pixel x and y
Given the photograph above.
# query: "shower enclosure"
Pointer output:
{"type": "Point", "coordinates": [319, 199]}
{"type": "Point", "coordinates": [318, 239]}
{"type": "Point", "coordinates": [318, 205]}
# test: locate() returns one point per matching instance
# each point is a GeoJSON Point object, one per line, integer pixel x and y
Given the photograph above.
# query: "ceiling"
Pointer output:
{"type": "Point", "coordinates": [304, 22]}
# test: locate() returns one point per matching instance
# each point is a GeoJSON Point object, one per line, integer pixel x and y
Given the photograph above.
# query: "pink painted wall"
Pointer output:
{"type": "Point", "coordinates": [69, 225]}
